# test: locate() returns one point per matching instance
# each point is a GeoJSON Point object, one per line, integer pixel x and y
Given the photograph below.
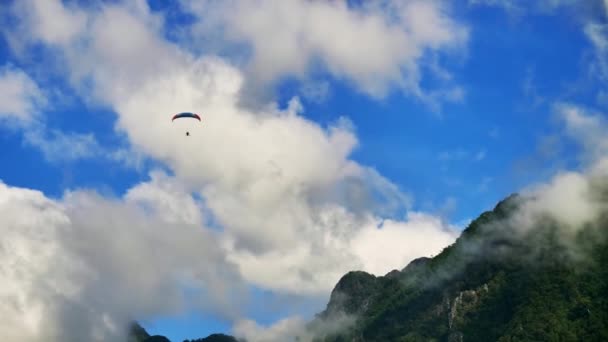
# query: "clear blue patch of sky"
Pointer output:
{"type": "Point", "coordinates": [188, 325]}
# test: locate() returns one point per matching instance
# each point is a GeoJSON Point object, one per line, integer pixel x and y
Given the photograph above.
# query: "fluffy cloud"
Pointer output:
{"type": "Point", "coordinates": [74, 259]}
{"type": "Point", "coordinates": [376, 46]}
{"type": "Point", "coordinates": [573, 199]}
{"type": "Point", "coordinates": [420, 234]}
{"type": "Point", "coordinates": [268, 176]}
{"type": "Point", "coordinates": [79, 268]}
{"type": "Point", "coordinates": [567, 198]}
{"type": "Point", "coordinates": [292, 212]}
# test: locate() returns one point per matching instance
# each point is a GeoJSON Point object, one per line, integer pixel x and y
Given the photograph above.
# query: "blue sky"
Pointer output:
{"type": "Point", "coordinates": [476, 124]}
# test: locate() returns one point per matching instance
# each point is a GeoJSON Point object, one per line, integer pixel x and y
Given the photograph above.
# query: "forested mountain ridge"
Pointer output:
{"type": "Point", "coordinates": [495, 283]}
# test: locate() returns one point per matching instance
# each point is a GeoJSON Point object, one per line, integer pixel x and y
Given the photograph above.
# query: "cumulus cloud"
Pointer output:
{"type": "Point", "coordinates": [292, 212]}
{"type": "Point", "coordinates": [375, 46]}
{"type": "Point", "coordinates": [267, 176]}
{"type": "Point", "coordinates": [106, 261]}
{"type": "Point", "coordinates": [77, 269]}
{"type": "Point", "coordinates": [420, 234]}
{"type": "Point", "coordinates": [54, 23]}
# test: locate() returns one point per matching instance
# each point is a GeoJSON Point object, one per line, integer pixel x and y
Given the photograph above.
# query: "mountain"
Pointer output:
{"type": "Point", "coordinates": [497, 282]}
{"type": "Point", "coordinates": [137, 333]}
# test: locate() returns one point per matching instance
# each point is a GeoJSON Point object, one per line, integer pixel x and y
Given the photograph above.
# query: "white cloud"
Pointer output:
{"type": "Point", "coordinates": [284, 330]}
{"type": "Point", "coordinates": [586, 127]}
{"type": "Point", "coordinates": [167, 196]}
{"type": "Point", "coordinates": [337, 241]}
{"type": "Point", "coordinates": [292, 328]}
{"type": "Point", "coordinates": [397, 243]}
{"type": "Point", "coordinates": [234, 154]}
{"type": "Point", "coordinates": [376, 47]}
{"type": "Point", "coordinates": [268, 176]}
{"type": "Point", "coordinates": [597, 33]}
{"type": "Point", "coordinates": [23, 100]}
{"type": "Point", "coordinates": [21, 97]}
{"type": "Point", "coordinates": [54, 23]}
{"type": "Point", "coordinates": [95, 245]}
{"type": "Point", "coordinates": [60, 26]}
{"type": "Point", "coordinates": [572, 198]}
{"type": "Point", "coordinates": [294, 211]}
{"type": "Point", "coordinates": [566, 198]}
{"type": "Point", "coordinates": [79, 268]}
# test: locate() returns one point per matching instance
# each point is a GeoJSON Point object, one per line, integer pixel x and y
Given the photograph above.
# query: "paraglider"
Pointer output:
{"type": "Point", "coordinates": [186, 115]}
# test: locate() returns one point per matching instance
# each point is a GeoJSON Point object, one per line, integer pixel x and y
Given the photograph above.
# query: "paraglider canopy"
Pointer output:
{"type": "Point", "coordinates": [186, 115]}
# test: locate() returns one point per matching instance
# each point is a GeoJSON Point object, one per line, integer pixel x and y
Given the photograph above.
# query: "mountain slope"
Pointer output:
{"type": "Point", "coordinates": [495, 283]}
